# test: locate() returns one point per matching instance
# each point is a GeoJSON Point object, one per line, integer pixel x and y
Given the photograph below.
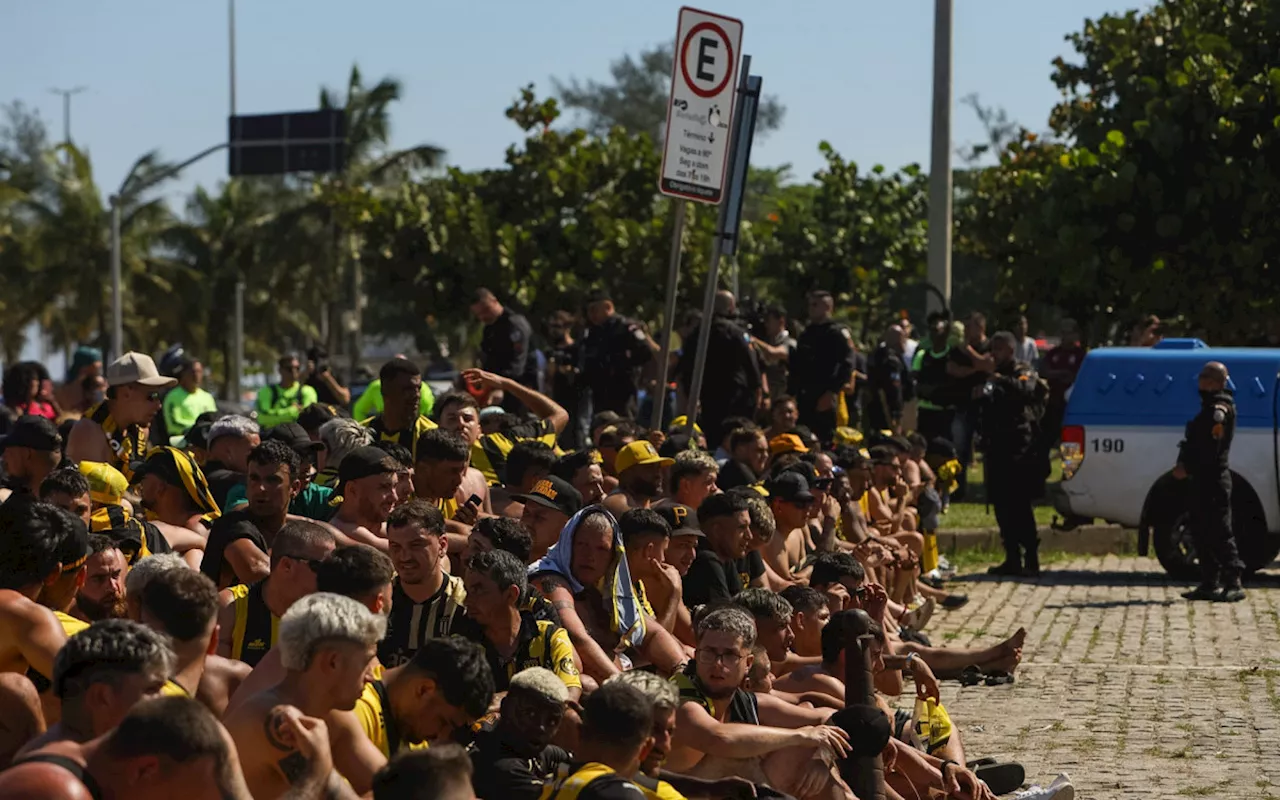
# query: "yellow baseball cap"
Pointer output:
{"type": "Point", "coordinates": [787, 443]}
{"type": "Point", "coordinates": [681, 422]}
{"type": "Point", "coordinates": [640, 452]}
{"type": "Point", "coordinates": [107, 484]}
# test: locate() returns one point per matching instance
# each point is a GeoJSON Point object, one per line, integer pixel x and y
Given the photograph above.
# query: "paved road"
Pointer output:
{"type": "Point", "coordinates": [1124, 685]}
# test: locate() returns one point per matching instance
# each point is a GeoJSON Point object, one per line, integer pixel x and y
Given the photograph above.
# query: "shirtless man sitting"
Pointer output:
{"type": "Point", "coordinates": [723, 731]}
{"type": "Point", "coordinates": [101, 674]}
{"type": "Point", "coordinates": [367, 484]}
{"type": "Point", "coordinates": [639, 469]}
{"type": "Point", "coordinates": [31, 535]}
{"type": "Point", "coordinates": [327, 644]}
{"type": "Point", "coordinates": [843, 580]}
{"type": "Point", "coordinates": [602, 623]}
{"type": "Point", "coordinates": [184, 605]}
{"type": "Point", "coordinates": [791, 501]}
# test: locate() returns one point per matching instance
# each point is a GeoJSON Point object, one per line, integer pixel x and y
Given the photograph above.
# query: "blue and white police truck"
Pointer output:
{"type": "Point", "coordinates": [1124, 419]}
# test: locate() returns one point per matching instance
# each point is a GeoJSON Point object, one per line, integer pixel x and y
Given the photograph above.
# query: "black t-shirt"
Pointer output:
{"type": "Point", "coordinates": [964, 387]}
{"type": "Point", "coordinates": [228, 529]}
{"type": "Point", "coordinates": [734, 474]}
{"type": "Point", "coordinates": [324, 394]}
{"type": "Point", "coordinates": [500, 772]}
{"type": "Point", "coordinates": [222, 479]}
{"type": "Point", "coordinates": [711, 580]}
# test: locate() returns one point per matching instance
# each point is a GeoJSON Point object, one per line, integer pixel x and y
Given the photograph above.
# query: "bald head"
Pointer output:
{"type": "Point", "coordinates": [1213, 377]}
{"type": "Point", "coordinates": [726, 304]}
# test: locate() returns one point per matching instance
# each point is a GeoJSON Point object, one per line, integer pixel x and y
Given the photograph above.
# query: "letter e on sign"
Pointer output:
{"type": "Point", "coordinates": [704, 83]}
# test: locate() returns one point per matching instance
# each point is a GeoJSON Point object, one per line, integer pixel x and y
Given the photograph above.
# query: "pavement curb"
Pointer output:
{"type": "Point", "coordinates": [1092, 540]}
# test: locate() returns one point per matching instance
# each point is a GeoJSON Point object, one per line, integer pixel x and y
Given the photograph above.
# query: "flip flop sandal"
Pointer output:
{"type": "Point", "coordinates": [998, 678]}
{"type": "Point", "coordinates": [970, 676]}
{"type": "Point", "coordinates": [980, 762]}
{"type": "Point", "coordinates": [954, 601]}
{"type": "Point", "coordinates": [1002, 778]}
{"type": "Point", "coordinates": [913, 635]}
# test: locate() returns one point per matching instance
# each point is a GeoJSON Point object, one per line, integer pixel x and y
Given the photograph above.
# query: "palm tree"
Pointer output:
{"type": "Point", "coordinates": [71, 251]}
{"type": "Point", "coordinates": [369, 132]}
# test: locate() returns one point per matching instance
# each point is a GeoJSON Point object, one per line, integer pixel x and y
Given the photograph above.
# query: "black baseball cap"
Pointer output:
{"type": "Point", "coordinates": [554, 493]}
{"type": "Point", "coordinates": [365, 462]}
{"type": "Point", "coordinates": [36, 433]}
{"type": "Point", "coordinates": [161, 464]}
{"type": "Point", "coordinates": [295, 437]}
{"type": "Point", "coordinates": [681, 518]}
{"type": "Point", "coordinates": [790, 487]}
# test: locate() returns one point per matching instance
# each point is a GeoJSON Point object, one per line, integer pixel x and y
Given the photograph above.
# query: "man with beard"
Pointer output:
{"type": "Point", "coordinates": [368, 488]}
{"type": "Point", "coordinates": [426, 601]}
{"type": "Point", "coordinates": [720, 568]}
{"type": "Point", "coordinates": [312, 501]}
{"type": "Point", "coordinates": [102, 673]}
{"type": "Point", "coordinates": [400, 420]}
{"type": "Point", "coordinates": [250, 615]}
{"type": "Point", "coordinates": [639, 470]}
{"type": "Point", "coordinates": [68, 489]}
{"type": "Point", "coordinates": [115, 431]}
{"type": "Point", "coordinates": [447, 686]}
{"type": "Point", "coordinates": [327, 647]}
{"type": "Point", "coordinates": [102, 596]}
{"type": "Point", "coordinates": [183, 604]}
{"type": "Point", "coordinates": [547, 507]}
{"type": "Point", "coordinates": [30, 452]}
{"type": "Point", "coordinates": [723, 731]}
{"type": "Point", "coordinates": [239, 542]}
{"type": "Point", "coordinates": [653, 780]}
{"type": "Point", "coordinates": [513, 757]}
{"type": "Point", "coordinates": [404, 469]}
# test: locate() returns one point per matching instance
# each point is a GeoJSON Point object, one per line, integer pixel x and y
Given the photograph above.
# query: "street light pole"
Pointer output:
{"type": "Point", "coordinates": [117, 200]}
{"type": "Point", "coordinates": [940, 162]}
{"type": "Point", "coordinates": [117, 314]}
{"type": "Point", "coordinates": [235, 378]}
{"type": "Point", "coordinates": [66, 109]}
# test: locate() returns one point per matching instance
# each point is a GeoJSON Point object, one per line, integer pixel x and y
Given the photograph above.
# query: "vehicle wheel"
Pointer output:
{"type": "Point", "coordinates": [1171, 537]}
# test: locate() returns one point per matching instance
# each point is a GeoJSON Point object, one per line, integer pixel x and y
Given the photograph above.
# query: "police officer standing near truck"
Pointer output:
{"type": "Point", "coordinates": [1202, 458]}
{"type": "Point", "coordinates": [1010, 409]}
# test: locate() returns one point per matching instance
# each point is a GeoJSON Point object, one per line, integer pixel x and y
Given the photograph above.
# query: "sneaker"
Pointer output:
{"type": "Point", "coordinates": [954, 601]}
{"type": "Point", "coordinates": [1204, 591]}
{"type": "Point", "coordinates": [1060, 789]}
{"type": "Point", "coordinates": [1230, 594]}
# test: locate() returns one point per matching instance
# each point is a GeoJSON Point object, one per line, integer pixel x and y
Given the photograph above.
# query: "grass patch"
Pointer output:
{"type": "Point", "coordinates": [1058, 726]}
{"type": "Point", "coordinates": [978, 515]}
{"type": "Point", "coordinates": [965, 561]}
{"type": "Point", "coordinates": [1163, 679]}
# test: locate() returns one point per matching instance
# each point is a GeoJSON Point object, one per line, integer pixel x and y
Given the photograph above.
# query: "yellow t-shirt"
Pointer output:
{"type": "Point", "coordinates": [376, 722]}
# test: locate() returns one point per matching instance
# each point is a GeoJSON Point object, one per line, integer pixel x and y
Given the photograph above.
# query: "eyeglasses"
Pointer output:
{"type": "Point", "coordinates": [709, 658]}
{"type": "Point", "coordinates": [312, 563]}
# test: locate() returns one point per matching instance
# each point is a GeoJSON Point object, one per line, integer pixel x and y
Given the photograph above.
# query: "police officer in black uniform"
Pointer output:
{"type": "Point", "coordinates": [613, 350]}
{"type": "Point", "coordinates": [889, 382]}
{"type": "Point", "coordinates": [1010, 408]}
{"type": "Point", "coordinates": [505, 347]}
{"type": "Point", "coordinates": [1202, 458]}
{"type": "Point", "coordinates": [731, 382]}
{"type": "Point", "coordinates": [821, 367]}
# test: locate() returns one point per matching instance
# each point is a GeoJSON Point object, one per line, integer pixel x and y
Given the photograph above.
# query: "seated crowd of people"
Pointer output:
{"type": "Point", "coordinates": [451, 607]}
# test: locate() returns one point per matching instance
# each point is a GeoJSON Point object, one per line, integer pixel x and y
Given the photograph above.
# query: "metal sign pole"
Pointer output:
{"type": "Point", "coordinates": [713, 281]}
{"type": "Point", "coordinates": [669, 317]}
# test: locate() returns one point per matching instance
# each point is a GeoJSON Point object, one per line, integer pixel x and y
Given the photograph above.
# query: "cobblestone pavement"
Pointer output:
{"type": "Point", "coordinates": [1130, 689]}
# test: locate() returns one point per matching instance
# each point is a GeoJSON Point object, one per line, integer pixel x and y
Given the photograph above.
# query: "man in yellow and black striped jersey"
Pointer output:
{"type": "Point", "coordinates": [447, 685]}
{"type": "Point", "coordinates": [426, 601]}
{"type": "Point", "coordinates": [400, 421]}
{"type": "Point", "coordinates": [514, 639]}
{"type": "Point", "coordinates": [250, 617]}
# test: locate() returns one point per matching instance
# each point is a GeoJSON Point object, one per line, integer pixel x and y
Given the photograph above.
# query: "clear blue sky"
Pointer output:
{"type": "Point", "coordinates": [855, 73]}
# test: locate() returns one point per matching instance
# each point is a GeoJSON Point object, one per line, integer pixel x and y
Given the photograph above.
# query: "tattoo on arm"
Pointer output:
{"type": "Point", "coordinates": [294, 765]}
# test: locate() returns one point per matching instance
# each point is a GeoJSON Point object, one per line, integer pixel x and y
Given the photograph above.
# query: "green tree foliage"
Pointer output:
{"type": "Point", "coordinates": [1156, 190]}
{"type": "Point", "coordinates": [860, 235]}
{"type": "Point", "coordinates": [636, 100]}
